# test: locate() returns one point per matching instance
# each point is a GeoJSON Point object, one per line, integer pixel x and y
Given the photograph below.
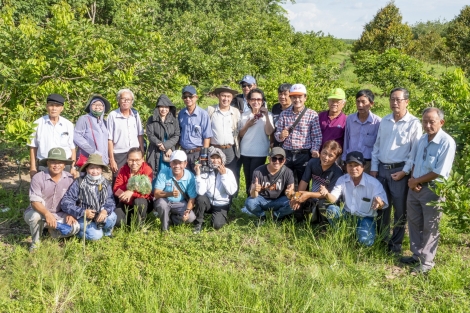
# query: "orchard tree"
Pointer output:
{"type": "Point", "coordinates": [458, 39]}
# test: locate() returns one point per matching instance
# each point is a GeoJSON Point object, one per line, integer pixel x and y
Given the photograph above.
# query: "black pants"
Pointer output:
{"type": "Point", "coordinates": [139, 207]}
{"type": "Point", "coordinates": [192, 158]}
{"type": "Point", "coordinates": [249, 166]}
{"type": "Point", "coordinates": [297, 162]}
{"type": "Point", "coordinates": [219, 213]}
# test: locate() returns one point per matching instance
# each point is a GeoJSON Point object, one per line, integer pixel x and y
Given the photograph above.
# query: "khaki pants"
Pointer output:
{"type": "Point", "coordinates": [36, 224]}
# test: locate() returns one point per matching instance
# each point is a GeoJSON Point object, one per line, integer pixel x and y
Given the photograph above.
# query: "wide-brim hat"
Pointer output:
{"type": "Point", "coordinates": [94, 159]}
{"type": "Point", "coordinates": [57, 154]}
{"type": "Point", "coordinates": [220, 89]}
{"type": "Point", "coordinates": [107, 105]}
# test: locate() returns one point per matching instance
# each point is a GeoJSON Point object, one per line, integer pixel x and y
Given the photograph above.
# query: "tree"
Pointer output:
{"type": "Point", "coordinates": [458, 39]}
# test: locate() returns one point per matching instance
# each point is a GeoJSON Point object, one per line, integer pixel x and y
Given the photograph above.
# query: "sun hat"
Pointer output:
{"type": "Point", "coordinates": [220, 89]}
{"type": "Point", "coordinates": [57, 154]}
{"type": "Point", "coordinates": [95, 159]}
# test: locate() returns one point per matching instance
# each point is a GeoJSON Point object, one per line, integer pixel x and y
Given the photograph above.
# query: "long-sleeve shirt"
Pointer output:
{"type": "Point", "coordinates": [307, 133]}
{"type": "Point", "coordinates": [125, 174]}
{"type": "Point", "coordinates": [360, 136]}
{"type": "Point", "coordinates": [219, 189]}
{"type": "Point", "coordinates": [84, 133]}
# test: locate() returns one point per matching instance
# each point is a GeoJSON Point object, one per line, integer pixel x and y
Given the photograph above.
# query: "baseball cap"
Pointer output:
{"type": "Point", "coordinates": [178, 155]}
{"type": "Point", "coordinates": [190, 89]}
{"type": "Point", "coordinates": [297, 90]}
{"type": "Point", "coordinates": [277, 151]}
{"type": "Point", "coordinates": [337, 93]}
{"type": "Point", "coordinates": [248, 79]}
{"type": "Point", "coordinates": [355, 156]}
{"type": "Point", "coordinates": [56, 98]}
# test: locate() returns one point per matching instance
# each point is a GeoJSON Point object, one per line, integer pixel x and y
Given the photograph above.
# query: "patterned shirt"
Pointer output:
{"type": "Point", "coordinates": [307, 133]}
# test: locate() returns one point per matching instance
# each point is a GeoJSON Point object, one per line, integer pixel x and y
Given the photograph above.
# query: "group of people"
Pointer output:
{"type": "Point", "coordinates": [193, 161]}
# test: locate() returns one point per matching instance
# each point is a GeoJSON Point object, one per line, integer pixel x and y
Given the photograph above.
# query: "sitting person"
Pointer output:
{"type": "Point", "coordinates": [271, 183]}
{"type": "Point", "coordinates": [175, 192]}
{"type": "Point", "coordinates": [131, 200]}
{"type": "Point", "coordinates": [363, 195]}
{"type": "Point", "coordinates": [91, 197]}
{"type": "Point", "coordinates": [45, 193]}
{"type": "Point", "coordinates": [322, 172]}
{"type": "Point", "coordinates": [214, 190]}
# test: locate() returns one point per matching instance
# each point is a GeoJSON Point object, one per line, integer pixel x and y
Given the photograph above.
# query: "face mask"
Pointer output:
{"type": "Point", "coordinates": [96, 113]}
{"type": "Point", "coordinates": [93, 177]}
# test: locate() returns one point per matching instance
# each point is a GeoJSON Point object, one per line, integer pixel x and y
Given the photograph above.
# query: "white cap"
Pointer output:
{"type": "Point", "coordinates": [178, 155]}
{"type": "Point", "coordinates": [297, 90]}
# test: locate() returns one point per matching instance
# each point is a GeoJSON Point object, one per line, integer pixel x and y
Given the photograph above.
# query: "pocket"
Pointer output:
{"type": "Point", "coordinates": [369, 140]}
{"type": "Point", "coordinates": [64, 139]}
{"type": "Point", "coordinates": [403, 138]}
{"type": "Point", "coordinates": [364, 208]}
{"type": "Point", "coordinates": [429, 163]}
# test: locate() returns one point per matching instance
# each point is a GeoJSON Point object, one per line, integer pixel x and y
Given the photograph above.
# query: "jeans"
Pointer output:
{"type": "Point", "coordinates": [365, 229]}
{"type": "Point", "coordinates": [259, 205]}
{"type": "Point", "coordinates": [93, 232]}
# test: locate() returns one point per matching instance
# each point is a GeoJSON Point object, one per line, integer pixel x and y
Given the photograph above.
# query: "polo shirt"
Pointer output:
{"type": "Point", "coordinates": [124, 131]}
{"type": "Point", "coordinates": [47, 136]}
{"type": "Point", "coordinates": [187, 183]}
{"type": "Point", "coordinates": [360, 136]}
{"type": "Point", "coordinates": [222, 128]}
{"type": "Point", "coordinates": [315, 173]}
{"type": "Point", "coordinates": [355, 197]}
{"type": "Point", "coordinates": [332, 129]}
{"type": "Point", "coordinates": [194, 128]}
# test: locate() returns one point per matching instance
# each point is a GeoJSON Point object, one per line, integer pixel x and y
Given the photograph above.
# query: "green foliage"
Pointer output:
{"type": "Point", "coordinates": [140, 183]}
{"type": "Point", "coordinates": [458, 39]}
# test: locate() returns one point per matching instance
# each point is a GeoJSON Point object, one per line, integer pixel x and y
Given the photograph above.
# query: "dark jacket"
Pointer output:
{"type": "Point", "coordinates": [156, 130]}
{"type": "Point", "coordinates": [238, 102]}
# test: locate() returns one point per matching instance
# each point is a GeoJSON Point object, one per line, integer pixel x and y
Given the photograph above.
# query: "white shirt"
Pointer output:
{"type": "Point", "coordinates": [358, 199]}
{"type": "Point", "coordinates": [255, 142]}
{"type": "Point", "coordinates": [222, 128]}
{"type": "Point", "coordinates": [395, 141]}
{"type": "Point", "coordinates": [123, 131]}
{"type": "Point", "coordinates": [218, 191]}
{"type": "Point", "coordinates": [48, 136]}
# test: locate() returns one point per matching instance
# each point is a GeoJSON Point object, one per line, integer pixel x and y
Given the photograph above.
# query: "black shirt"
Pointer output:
{"type": "Point", "coordinates": [273, 186]}
{"type": "Point", "coordinates": [328, 178]}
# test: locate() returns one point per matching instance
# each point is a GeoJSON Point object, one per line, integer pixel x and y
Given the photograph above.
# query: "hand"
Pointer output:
{"type": "Point", "coordinates": [197, 169]}
{"type": "Point", "coordinates": [417, 188]}
{"type": "Point", "coordinates": [126, 196]}
{"type": "Point", "coordinates": [373, 174]}
{"type": "Point", "coordinates": [113, 165]}
{"type": "Point", "coordinates": [412, 183]}
{"type": "Point", "coordinates": [323, 191]}
{"type": "Point", "coordinates": [263, 110]}
{"type": "Point", "coordinates": [102, 216]}
{"type": "Point", "coordinates": [398, 175]}
{"type": "Point", "coordinates": [377, 203]}
{"type": "Point", "coordinates": [222, 169]}
{"type": "Point", "coordinates": [176, 193]}
{"type": "Point", "coordinates": [304, 196]}
{"type": "Point", "coordinates": [32, 173]}
{"type": "Point", "coordinates": [256, 186]}
{"type": "Point", "coordinates": [90, 214]}
{"type": "Point", "coordinates": [168, 152]}
{"type": "Point", "coordinates": [315, 154]}
{"type": "Point", "coordinates": [284, 134]}
{"type": "Point", "coordinates": [294, 204]}
{"type": "Point", "coordinates": [74, 173]}
{"type": "Point", "coordinates": [186, 215]}
{"type": "Point", "coordinates": [70, 220]}
{"type": "Point", "coordinates": [161, 146]}
{"type": "Point", "coordinates": [51, 221]}
{"type": "Point", "coordinates": [251, 122]}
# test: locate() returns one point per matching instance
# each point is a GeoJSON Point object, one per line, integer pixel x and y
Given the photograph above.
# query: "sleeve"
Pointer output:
{"type": "Point", "coordinates": [140, 129]}
{"type": "Point", "coordinates": [35, 189]}
{"type": "Point", "coordinates": [110, 122]}
{"type": "Point", "coordinates": [207, 128]}
{"type": "Point", "coordinates": [241, 122]}
{"type": "Point", "coordinates": [290, 178]}
{"type": "Point", "coordinates": [79, 135]}
{"type": "Point", "coordinates": [308, 171]}
{"type": "Point", "coordinates": [375, 152]}
{"type": "Point", "coordinates": [191, 191]}
{"type": "Point", "coordinates": [416, 133]}
{"type": "Point", "coordinates": [280, 125]}
{"type": "Point", "coordinates": [71, 132]}
{"type": "Point", "coordinates": [150, 130]}
{"type": "Point", "coordinates": [379, 191]}
{"type": "Point", "coordinates": [201, 185]}
{"type": "Point", "coordinates": [68, 204]}
{"type": "Point", "coordinates": [160, 181]}
{"type": "Point", "coordinates": [315, 135]}
{"type": "Point", "coordinates": [121, 181]}
{"type": "Point", "coordinates": [334, 179]}
{"type": "Point", "coordinates": [109, 204]}
{"type": "Point", "coordinates": [338, 189]}
{"type": "Point", "coordinates": [270, 116]}
{"type": "Point", "coordinates": [445, 159]}
{"type": "Point", "coordinates": [174, 137]}
{"type": "Point", "coordinates": [346, 138]}
{"type": "Point", "coordinates": [229, 182]}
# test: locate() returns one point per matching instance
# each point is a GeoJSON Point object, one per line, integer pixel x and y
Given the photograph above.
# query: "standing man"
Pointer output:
{"type": "Point", "coordinates": [333, 121]}
{"type": "Point", "coordinates": [392, 162]}
{"type": "Point", "coordinates": [283, 104]}
{"type": "Point", "coordinates": [240, 102]}
{"type": "Point", "coordinates": [302, 140]}
{"type": "Point", "coordinates": [432, 157]}
{"type": "Point", "coordinates": [362, 128]}
{"type": "Point", "coordinates": [52, 131]}
{"type": "Point", "coordinates": [195, 127]}
{"type": "Point", "coordinates": [125, 131]}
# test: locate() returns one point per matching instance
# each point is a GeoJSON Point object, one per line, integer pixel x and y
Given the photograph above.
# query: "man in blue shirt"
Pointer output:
{"type": "Point", "coordinates": [195, 125]}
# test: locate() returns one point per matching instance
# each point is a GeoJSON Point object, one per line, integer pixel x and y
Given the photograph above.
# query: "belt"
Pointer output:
{"type": "Point", "coordinates": [431, 184]}
{"type": "Point", "coordinates": [223, 147]}
{"type": "Point", "coordinates": [368, 160]}
{"type": "Point", "coordinates": [299, 151]}
{"type": "Point", "coordinates": [193, 150]}
{"type": "Point", "coordinates": [392, 165]}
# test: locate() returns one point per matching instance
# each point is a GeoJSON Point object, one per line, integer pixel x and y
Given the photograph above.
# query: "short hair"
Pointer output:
{"type": "Point", "coordinates": [120, 92]}
{"type": "Point", "coordinates": [283, 87]}
{"type": "Point", "coordinates": [406, 93]}
{"type": "Point", "coordinates": [134, 150]}
{"type": "Point", "coordinates": [366, 93]}
{"type": "Point", "coordinates": [256, 90]}
{"type": "Point", "coordinates": [333, 145]}
{"type": "Point", "coordinates": [439, 112]}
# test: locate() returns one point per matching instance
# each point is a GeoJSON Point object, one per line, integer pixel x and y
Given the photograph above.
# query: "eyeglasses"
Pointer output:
{"type": "Point", "coordinates": [256, 99]}
{"type": "Point", "coordinates": [186, 97]}
{"type": "Point", "coordinates": [126, 100]}
{"type": "Point", "coordinates": [393, 100]}
{"type": "Point", "coordinates": [277, 159]}
{"type": "Point", "coordinates": [134, 161]}
{"type": "Point", "coordinates": [98, 105]}
{"type": "Point", "coordinates": [246, 85]}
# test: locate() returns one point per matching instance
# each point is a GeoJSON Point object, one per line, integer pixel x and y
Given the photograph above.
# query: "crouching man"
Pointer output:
{"type": "Point", "coordinates": [214, 190]}
{"type": "Point", "coordinates": [45, 193]}
{"type": "Point", "coordinates": [175, 192]}
{"type": "Point", "coordinates": [363, 196]}
{"type": "Point", "coordinates": [271, 183]}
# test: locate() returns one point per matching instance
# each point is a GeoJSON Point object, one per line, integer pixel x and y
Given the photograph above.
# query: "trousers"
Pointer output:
{"type": "Point", "coordinates": [36, 224]}
{"type": "Point", "coordinates": [219, 213]}
{"type": "Point", "coordinates": [173, 211]}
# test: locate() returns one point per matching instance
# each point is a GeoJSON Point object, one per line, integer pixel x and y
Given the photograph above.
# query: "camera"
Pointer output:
{"type": "Point", "coordinates": [204, 160]}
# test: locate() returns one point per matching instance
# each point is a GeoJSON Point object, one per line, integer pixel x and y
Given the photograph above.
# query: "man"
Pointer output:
{"type": "Point", "coordinates": [391, 164]}
{"type": "Point", "coordinates": [432, 157]}
{"type": "Point", "coordinates": [333, 121]}
{"type": "Point", "coordinates": [125, 131]}
{"type": "Point", "coordinates": [45, 193]}
{"type": "Point", "coordinates": [195, 126]}
{"type": "Point", "coordinates": [52, 130]}
{"type": "Point", "coordinates": [302, 141]}
{"type": "Point", "coordinates": [240, 102]}
{"type": "Point", "coordinates": [175, 192]}
{"type": "Point", "coordinates": [214, 190]}
{"type": "Point", "coordinates": [283, 104]}
{"type": "Point", "coordinates": [363, 196]}
{"type": "Point", "coordinates": [270, 184]}
{"type": "Point", "coordinates": [362, 128]}
{"type": "Point", "coordinates": [224, 124]}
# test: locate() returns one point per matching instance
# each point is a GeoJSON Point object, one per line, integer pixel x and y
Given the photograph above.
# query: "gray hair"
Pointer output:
{"type": "Point", "coordinates": [439, 112]}
{"type": "Point", "coordinates": [406, 93]}
{"type": "Point", "coordinates": [120, 92]}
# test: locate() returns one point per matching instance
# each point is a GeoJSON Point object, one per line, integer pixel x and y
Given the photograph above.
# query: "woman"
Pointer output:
{"type": "Point", "coordinates": [163, 132]}
{"type": "Point", "coordinates": [132, 201]}
{"type": "Point", "coordinates": [255, 126]}
{"type": "Point", "coordinates": [91, 132]}
{"type": "Point", "coordinates": [91, 198]}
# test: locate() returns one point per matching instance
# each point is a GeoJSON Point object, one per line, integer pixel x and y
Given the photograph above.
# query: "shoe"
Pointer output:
{"type": "Point", "coordinates": [245, 210]}
{"type": "Point", "coordinates": [408, 260]}
{"type": "Point", "coordinates": [420, 269]}
{"type": "Point", "coordinates": [197, 229]}
{"type": "Point", "coordinates": [33, 247]}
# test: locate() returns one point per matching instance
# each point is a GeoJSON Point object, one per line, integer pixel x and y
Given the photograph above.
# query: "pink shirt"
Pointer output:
{"type": "Point", "coordinates": [332, 129]}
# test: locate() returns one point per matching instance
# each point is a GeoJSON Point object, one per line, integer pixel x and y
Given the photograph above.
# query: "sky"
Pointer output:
{"type": "Point", "coordinates": [346, 19]}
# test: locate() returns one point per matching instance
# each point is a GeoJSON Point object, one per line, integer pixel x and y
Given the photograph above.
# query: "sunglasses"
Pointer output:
{"type": "Point", "coordinates": [277, 159]}
{"type": "Point", "coordinates": [186, 97]}
{"type": "Point", "coordinates": [246, 85]}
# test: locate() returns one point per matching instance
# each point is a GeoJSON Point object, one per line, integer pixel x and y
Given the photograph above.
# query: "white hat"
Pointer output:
{"type": "Point", "coordinates": [297, 90]}
{"type": "Point", "coordinates": [178, 155]}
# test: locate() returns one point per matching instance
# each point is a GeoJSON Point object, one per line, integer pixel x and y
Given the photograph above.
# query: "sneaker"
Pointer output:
{"type": "Point", "coordinates": [33, 247]}
{"type": "Point", "coordinates": [408, 260]}
{"type": "Point", "coordinates": [420, 269]}
{"type": "Point", "coordinates": [245, 210]}
{"type": "Point", "coordinates": [197, 229]}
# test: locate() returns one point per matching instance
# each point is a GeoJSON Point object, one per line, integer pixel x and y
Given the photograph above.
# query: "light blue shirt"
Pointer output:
{"type": "Point", "coordinates": [360, 136]}
{"type": "Point", "coordinates": [194, 128]}
{"type": "Point", "coordinates": [187, 183]}
{"type": "Point", "coordinates": [435, 156]}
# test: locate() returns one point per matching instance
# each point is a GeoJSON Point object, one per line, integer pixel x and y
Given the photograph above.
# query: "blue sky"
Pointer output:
{"type": "Point", "coordinates": [346, 19]}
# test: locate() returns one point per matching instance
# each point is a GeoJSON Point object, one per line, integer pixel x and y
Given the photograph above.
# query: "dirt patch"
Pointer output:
{"type": "Point", "coordinates": [9, 176]}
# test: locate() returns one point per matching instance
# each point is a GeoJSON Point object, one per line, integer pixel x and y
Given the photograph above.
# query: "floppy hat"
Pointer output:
{"type": "Point", "coordinates": [220, 89]}
{"type": "Point", "coordinates": [57, 154]}
{"type": "Point", "coordinates": [94, 159]}
{"type": "Point", "coordinates": [178, 155]}
{"type": "Point", "coordinates": [337, 93]}
{"type": "Point", "coordinates": [355, 156]}
{"type": "Point", "coordinates": [297, 90]}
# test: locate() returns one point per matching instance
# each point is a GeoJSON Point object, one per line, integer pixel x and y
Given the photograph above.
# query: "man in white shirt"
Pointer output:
{"type": "Point", "coordinates": [391, 164]}
{"type": "Point", "coordinates": [214, 190]}
{"type": "Point", "coordinates": [363, 196]}
{"type": "Point", "coordinates": [52, 131]}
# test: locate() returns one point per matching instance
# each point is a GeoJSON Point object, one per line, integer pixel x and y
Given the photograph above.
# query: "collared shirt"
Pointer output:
{"type": "Point", "coordinates": [358, 199]}
{"type": "Point", "coordinates": [48, 136]}
{"type": "Point", "coordinates": [124, 131]}
{"type": "Point", "coordinates": [84, 134]}
{"type": "Point", "coordinates": [307, 133]}
{"type": "Point", "coordinates": [194, 128]}
{"type": "Point", "coordinates": [222, 128]}
{"type": "Point", "coordinates": [395, 141]}
{"type": "Point", "coordinates": [332, 129]}
{"type": "Point", "coordinates": [434, 156]}
{"type": "Point", "coordinates": [45, 190]}
{"type": "Point", "coordinates": [219, 189]}
{"type": "Point", "coordinates": [187, 183]}
{"type": "Point", "coordinates": [360, 136]}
